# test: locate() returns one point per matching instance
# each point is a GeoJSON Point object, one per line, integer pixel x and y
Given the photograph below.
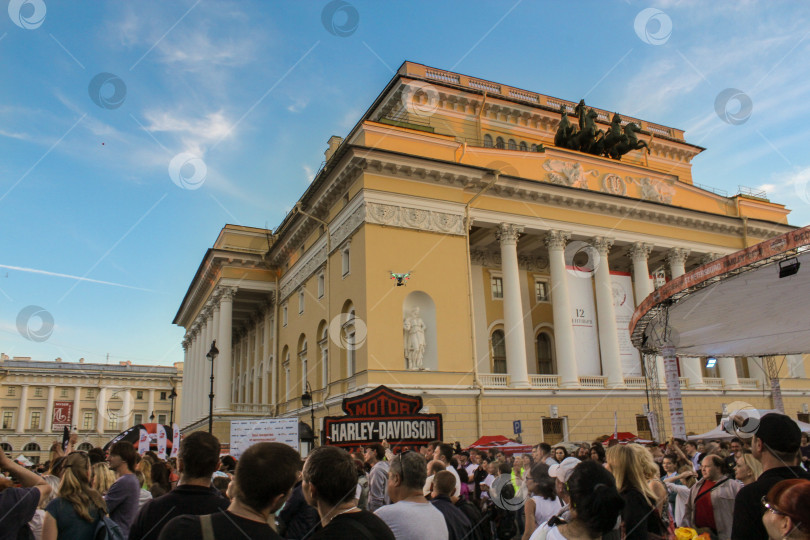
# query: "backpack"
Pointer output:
{"type": "Point", "coordinates": [107, 529]}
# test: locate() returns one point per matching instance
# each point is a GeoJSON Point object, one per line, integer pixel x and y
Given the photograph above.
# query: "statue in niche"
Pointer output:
{"type": "Point", "coordinates": [414, 340]}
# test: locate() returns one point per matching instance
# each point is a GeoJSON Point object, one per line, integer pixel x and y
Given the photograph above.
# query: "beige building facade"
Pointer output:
{"type": "Point", "coordinates": [520, 264]}
{"type": "Point", "coordinates": [97, 401]}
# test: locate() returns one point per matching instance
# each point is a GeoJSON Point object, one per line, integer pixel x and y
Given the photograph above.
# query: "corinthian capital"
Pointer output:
{"type": "Point", "coordinates": [226, 293]}
{"type": "Point", "coordinates": [602, 244]}
{"type": "Point", "coordinates": [508, 234]}
{"type": "Point", "coordinates": [556, 239]}
{"type": "Point", "coordinates": [640, 250]}
{"type": "Point", "coordinates": [677, 256]}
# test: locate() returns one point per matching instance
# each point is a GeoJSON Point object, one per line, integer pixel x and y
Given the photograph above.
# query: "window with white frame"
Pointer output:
{"type": "Point", "coordinates": [138, 418]}
{"type": "Point", "coordinates": [12, 391]}
{"type": "Point", "coordinates": [38, 391]}
{"type": "Point", "coordinates": [542, 292]}
{"type": "Point", "coordinates": [112, 421]}
{"type": "Point", "coordinates": [8, 419]}
{"type": "Point", "coordinates": [302, 359]}
{"type": "Point", "coordinates": [301, 301]}
{"type": "Point", "coordinates": [88, 420]}
{"type": "Point", "coordinates": [36, 420]}
{"type": "Point", "coordinates": [496, 284]}
{"type": "Point", "coordinates": [345, 260]}
{"type": "Point", "coordinates": [284, 315]}
{"type": "Point", "coordinates": [321, 284]}
{"type": "Point", "coordinates": [139, 394]}
{"type": "Point", "coordinates": [63, 392]}
{"type": "Point", "coordinates": [161, 419]}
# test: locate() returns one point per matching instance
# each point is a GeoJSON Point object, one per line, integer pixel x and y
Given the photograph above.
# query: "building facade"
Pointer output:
{"type": "Point", "coordinates": [98, 401]}
{"type": "Point", "coordinates": [520, 259]}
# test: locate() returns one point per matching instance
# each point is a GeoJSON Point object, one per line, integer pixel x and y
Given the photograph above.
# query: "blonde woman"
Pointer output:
{"type": "Point", "coordinates": [748, 467]}
{"type": "Point", "coordinates": [103, 478]}
{"type": "Point", "coordinates": [39, 515]}
{"type": "Point", "coordinates": [631, 469]}
{"type": "Point", "coordinates": [78, 508]}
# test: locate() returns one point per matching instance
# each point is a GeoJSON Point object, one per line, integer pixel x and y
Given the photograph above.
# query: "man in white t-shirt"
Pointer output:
{"type": "Point", "coordinates": [411, 515]}
{"type": "Point", "coordinates": [444, 453]}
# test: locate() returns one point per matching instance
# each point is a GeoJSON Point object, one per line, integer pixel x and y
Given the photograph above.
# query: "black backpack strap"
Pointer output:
{"type": "Point", "coordinates": [718, 484]}
{"type": "Point", "coordinates": [366, 533]}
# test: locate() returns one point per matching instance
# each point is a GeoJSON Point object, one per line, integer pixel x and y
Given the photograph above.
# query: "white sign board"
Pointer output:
{"type": "Point", "coordinates": [623, 306]}
{"type": "Point", "coordinates": [246, 433]}
{"type": "Point", "coordinates": [583, 319]}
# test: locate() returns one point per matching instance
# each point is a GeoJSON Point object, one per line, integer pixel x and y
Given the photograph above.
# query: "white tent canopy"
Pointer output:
{"type": "Point", "coordinates": [721, 434]}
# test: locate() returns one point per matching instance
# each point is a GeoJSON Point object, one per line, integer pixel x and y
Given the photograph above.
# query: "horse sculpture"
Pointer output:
{"type": "Point", "coordinates": [614, 143]}
{"type": "Point", "coordinates": [628, 142]}
{"type": "Point", "coordinates": [565, 130]}
{"type": "Point", "coordinates": [587, 136]}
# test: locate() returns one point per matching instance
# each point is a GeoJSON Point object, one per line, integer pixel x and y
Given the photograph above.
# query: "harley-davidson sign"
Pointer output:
{"type": "Point", "coordinates": [382, 414]}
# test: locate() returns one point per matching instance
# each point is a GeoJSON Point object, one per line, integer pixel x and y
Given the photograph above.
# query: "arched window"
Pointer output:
{"type": "Point", "coordinates": [85, 446]}
{"type": "Point", "coordinates": [512, 144]}
{"type": "Point", "coordinates": [323, 347]}
{"type": "Point", "coordinates": [351, 352]}
{"type": "Point", "coordinates": [499, 143]}
{"type": "Point", "coordinates": [498, 352]}
{"type": "Point", "coordinates": [534, 148]}
{"type": "Point", "coordinates": [31, 447]}
{"type": "Point", "coordinates": [487, 141]}
{"type": "Point", "coordinates": [5, 447]}
{"type": "Point", "coordinates": [545, 360]}
{"type": "Point", "coordinates": [302, 361]}
{"type": "Point", "coordinates": [523, 146]}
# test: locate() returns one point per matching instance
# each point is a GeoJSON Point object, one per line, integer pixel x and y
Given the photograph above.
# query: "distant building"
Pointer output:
{"type": "Point", "coordinates": [526, 259]}
{"type": "Point", "coordinates": [37, 399]}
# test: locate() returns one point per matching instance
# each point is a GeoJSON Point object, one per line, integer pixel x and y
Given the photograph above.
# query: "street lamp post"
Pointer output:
{"type": "Point", "coordinates": [212, 354]}
{"type": "Point", "coordinates": [306, 401]}
{"type": "Point", "coordinates": [152, 417]}
{"type": "Point", "coordinates": [172, 396]}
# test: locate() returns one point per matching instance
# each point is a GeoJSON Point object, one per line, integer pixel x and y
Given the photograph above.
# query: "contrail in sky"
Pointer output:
{"type": "Point", "coordinates": [77, 278]}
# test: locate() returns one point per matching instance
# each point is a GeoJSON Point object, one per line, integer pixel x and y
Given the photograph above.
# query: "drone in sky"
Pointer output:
{"type": "Point", "coordinates": [400, 278]}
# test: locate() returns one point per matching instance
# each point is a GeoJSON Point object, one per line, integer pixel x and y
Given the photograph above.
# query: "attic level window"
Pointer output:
{"type": "Point", "coordinates": [488, 141]}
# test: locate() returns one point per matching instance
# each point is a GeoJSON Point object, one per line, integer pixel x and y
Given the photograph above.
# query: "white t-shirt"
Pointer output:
{"type": "Point", "coordinates": [544, 509]}
{"type": "Point", "coordinates": [413, 520]}
{"type": "Point", "coordinates": [458, 480]}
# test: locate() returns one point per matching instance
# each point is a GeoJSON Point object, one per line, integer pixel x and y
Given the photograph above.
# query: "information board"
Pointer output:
{"type": "Point", "coordinates": [245, 433]}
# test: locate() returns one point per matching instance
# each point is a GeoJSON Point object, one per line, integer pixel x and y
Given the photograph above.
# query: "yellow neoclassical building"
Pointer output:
{"type": "Point", "coordinates": [520, 260]}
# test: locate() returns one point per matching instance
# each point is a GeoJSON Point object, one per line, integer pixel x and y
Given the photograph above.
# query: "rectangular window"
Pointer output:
{"type": "Point", "coordinates": [112, 423]}
{"type": "Point", "coordinates": [139, 394]}
{"type": "Point", "coordinates": [91, 393]}
{"type": "Point", "coordinates": [8, 420]}
{"type": "Point", "coordinates": [284, 315]}
{"type": "Point", "coordinates": [138, 418]}
{"type": "Point", "coordinates": [163, 396]}
{"type": "Point", "coordinates": [63, 392]}
{"type": "Point", "coordinates": [552, 430]}
{"type": "Point", "coordinates": [38, 391]}
{"type": "Point", "coordinates": [36, 420]}
{"type": "Point", "coordinates": [643, 427]}
{"type": "Point", "coordinates": [300, 302]}
{"type": "Point", "coordinates": [88, 421]}
{"type": "Point", "coordinates": [541, 291]}
{"type": "Point", "coordinates": [12, 390]}
{"type": "Point", "coordinates": [497, 288]}
{"type": "Point", "coordinates": [345, 261]}
{"type": "Point", "coordinates": [321, 282]}
{"type": "Point", "coordinates": [161, 419]}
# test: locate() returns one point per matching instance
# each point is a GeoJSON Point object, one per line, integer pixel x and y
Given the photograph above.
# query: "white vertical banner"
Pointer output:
{"type": "Point", "coordinates": [621, 284]}
{"type": "Point", "coordinates": [175, 440]}
{"type": "Point", "coordinates": [674, 393]}
{"type": "Point", "coordinates": [143, 442]}
{"type": "Point", "coordinates": [161, 441]}
{"type": "Point", "coordinates": [616, 425]}
{"type": "Point", "coordinates": [583, 319]}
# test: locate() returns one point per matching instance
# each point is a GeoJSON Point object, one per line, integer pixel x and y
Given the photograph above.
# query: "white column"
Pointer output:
{"type": "Point", "coordinates": [561, 309]}
{"type": "Point", "coordinates": [77, 408]}
{"type": "Point", "coordinates": [608, 332]}
{"type": "Point", "coordinates": [222, 401]}
{"type": "Point", "coordinates": [240, 367]}
{"type": "Point", "coordinates": [101, 409]}
{"type": "Point", "coordinates": [257, 389]}
{"type": "Point", "coordinates": [23, 409]}
{"type": "Point", "coordinates": [193, 384]}
{"type": "Point", "coordinates": [126, 412]}
{"type": "Point", "coordinates": [268, 329]}
{"type": "Point", "coordinates": [690, 366]}
{"type": "Point", "coordinates": [48, 427]}
{"type": "Point", "coordinates": [181, 415]}
{"type": "Point", "coordinates": [642, 286]}
{"type": "Point", "coordinates": [151, 404]}
{"type": "Point", "coordinates": [205, 376]}
{"type": "Point", "coordinates": [508, 235]}
{"type": "Point", "coordinates": [728, 371]}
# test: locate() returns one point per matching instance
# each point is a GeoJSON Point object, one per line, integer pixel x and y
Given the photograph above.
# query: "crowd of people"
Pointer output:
{"type": "Point", "coordinates": [754, 488]}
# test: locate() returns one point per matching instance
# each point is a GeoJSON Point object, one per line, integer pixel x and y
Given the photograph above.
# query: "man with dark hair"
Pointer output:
{"type": "Point", "coordinates": [265, 475]}
{"type": "Point", "coordinates": [735, 447]}
{"type": "Point", "coordinates": [123, 496]}
{"type": "Point", "coordinates": [197, 460]}
{"type": "Point", "coordinates": [411, 515]}
{"type": "Point", "coordinates": [444, 453]}
{"type": "Point", "coordinates": [542, 454]}
{"type": "Point", "coordinates": [776, 445]}
{"type": "Point", "coordinates": [96, 455]}
{"type": "Point", "coordinates": [374, 454]}
{"type": "Point", "coordinates": [458, 525]}
{"type": "Point", "coordinates": [330, 482]}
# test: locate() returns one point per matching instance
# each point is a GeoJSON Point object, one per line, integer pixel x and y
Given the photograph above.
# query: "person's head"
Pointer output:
{"type": "Point", "coordinates": [560, 453]}
{"type": "Point", "coordinates": [701, 446]}
{"type": "Point", "coordinates": [517, 461]}
{"type": "Point", "coordinates": [630, 469]}
{"type": "Point", "coordinates": [463, 459]}
{"type": "Point", "coordinates": [103, 477]}
{"type": "Point", "coordinates": [670, 463]}
{"type": "Point", "coordinates": [492, 468]}
{"type": "Point", "coordinates": [541, 450]}
{"type": "Point", "coordinates": [330, 477]}
{"type": "Point", "coordinates": [598, 453]}
{"type": "Point", "coordinates": [96, 455]}
{"type": "Point", "coordinates": [748, 468]}
{"type": "Point", "coordinates": [264, 476]}
{"type": "Point", "coordinates": [444, 453]}
{"type": "Point", "coordinates": [805, 439]}
{"type": "Point", "coordinates": [583, 453]}
{"type": "Point", "coordinates": [735, 446]}
{"type": "Point", "coordinates": [788, 509]}
{"type": "Point", "coordinates": [406, 476]}
{"type": "Point", "coordinates": [57, 466]}
{"type": "Point", "coordinates": [712, 467]}
{"type": "Point", "coordinates": [373, 453]}
{"type": "Point", "coordinates": [778, 436]}
{"type": "Point", "coordinates": [145, 468]}
{"type": "Point", "coordinates": [122, 457]}
{"type": "Point", "coordinates": [595, 502]}
{"type": "Point", "coordinates": [444, 484]}
{"type": "Point", "coordinates": [221, 483]}
{"type": "Point", "coordinates": [504, 468]}
{"type": "Point", "coordinates": [75, 486]}
{"type": "Point", "coordinates": [435, 466]}
{"type": "Point", "coordinates": [160, 475]}
{"type": "Point", "coordinates": [198, 457]}
{"type": "Point", "coordinates": [691, 448]}
{"type": "Point", "coordinates": [561, 472]}
{"type": "Point", "coordinates": [538, 482]}
{"type": "Point", "coordinates": [227, 464]}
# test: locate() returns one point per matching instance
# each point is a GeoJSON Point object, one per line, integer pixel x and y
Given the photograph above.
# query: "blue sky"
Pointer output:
{"type": "Point", "coordinates": [250, 91]}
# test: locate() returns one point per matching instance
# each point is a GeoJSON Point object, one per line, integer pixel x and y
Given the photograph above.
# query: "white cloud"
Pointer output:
{"type": "Point", "coordinates": [298, 105]}
{"type": "Point", "coordinates": [196, 133]}
{"type": "Point", "coordinates": [310, 174]}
